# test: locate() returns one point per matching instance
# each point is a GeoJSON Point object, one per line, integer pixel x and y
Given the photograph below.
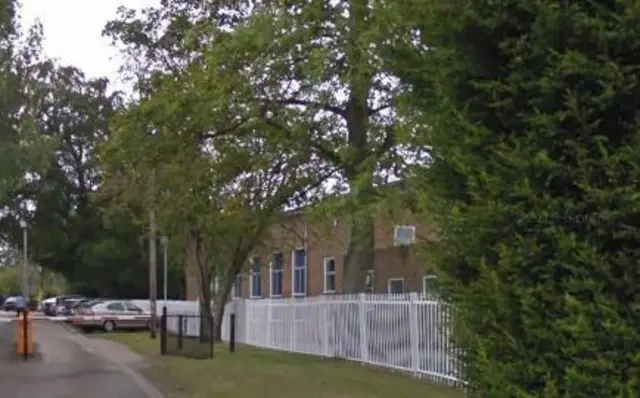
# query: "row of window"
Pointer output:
{"type": "Point", "coordinates": [299, 277]}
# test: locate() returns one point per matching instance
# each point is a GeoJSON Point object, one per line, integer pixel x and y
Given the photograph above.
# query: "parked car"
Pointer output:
{"type": "Point", "coordinates": [110, 315]}
{"type": "Point", "coordinates": [14, 303]}
{"type": "Point", "coordinates": [67, 308]}
{"type": "Point", "coordinates": [48, 305]}
{"type": "Point", "coordinates": [53, 304]}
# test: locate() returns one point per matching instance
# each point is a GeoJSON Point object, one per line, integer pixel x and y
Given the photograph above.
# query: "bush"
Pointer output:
{"type": "Point", "coordinates": [533, 115]}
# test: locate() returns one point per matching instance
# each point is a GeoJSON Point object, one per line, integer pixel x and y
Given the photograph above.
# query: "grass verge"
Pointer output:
{"type": "Point", "coordinates": [251, 372]}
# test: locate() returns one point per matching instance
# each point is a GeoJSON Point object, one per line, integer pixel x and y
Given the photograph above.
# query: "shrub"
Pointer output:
{"type": "Point", "coordinates": [533, 114]}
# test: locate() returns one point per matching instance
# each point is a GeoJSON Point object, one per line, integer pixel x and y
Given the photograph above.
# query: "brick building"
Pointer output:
{"type": "Point", "coordinates": [305, 257]}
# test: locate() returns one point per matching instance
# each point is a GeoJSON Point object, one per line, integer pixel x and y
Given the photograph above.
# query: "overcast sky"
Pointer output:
{"type": "Point", "coordinates": [73, 31]}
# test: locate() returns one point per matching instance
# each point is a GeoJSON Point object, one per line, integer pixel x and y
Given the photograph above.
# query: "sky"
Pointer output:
{"type": "Point", "coordinates": [73, 31]}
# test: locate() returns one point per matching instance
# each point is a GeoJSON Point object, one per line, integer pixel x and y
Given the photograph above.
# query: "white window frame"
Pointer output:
{"type": "Point", "coordinates": [424, 284]}
{"type": "Point", "coordinates": [326, 273]}
{"type": "Point", "coordinates": [395, 234]}
{"type": "Point", "coordinates": [271, 274]}
{"type": "Point", "coordinates": [394, 280]}
{"type": "Point", "coordinates": [293, 271]}
{"type": "Point", "coordinates": [252, 274]}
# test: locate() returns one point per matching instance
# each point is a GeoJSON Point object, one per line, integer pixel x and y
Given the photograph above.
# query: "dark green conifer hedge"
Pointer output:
{"type": "Point", "coordinates": [534, 115]}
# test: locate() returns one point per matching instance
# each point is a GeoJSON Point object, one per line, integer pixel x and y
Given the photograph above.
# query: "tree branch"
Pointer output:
{"type": "Point", "coordinates": [313, 104]}
{"type": "Point", "coordinates": [373, 111]}
{"type": "Point", "coordinates": [324, 152]}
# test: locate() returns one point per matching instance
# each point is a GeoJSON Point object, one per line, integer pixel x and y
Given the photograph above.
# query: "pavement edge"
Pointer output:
{"type": "Point", "coordinates": [145, 385]}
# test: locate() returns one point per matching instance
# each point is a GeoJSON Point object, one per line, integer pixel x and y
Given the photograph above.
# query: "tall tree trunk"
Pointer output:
{"type": "Point", "coordinates": [204, 286]}
{"type": "Point", "coordinates": [361, 167]}
{"type": "Point", "coordinates": [222, 297]}
{"type": "Point", "coordinates": [360, 252]}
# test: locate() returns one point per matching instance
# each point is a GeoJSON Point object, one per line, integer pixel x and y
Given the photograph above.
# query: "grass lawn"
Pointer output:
{"type": "Point", "coordinates": [251, 372]}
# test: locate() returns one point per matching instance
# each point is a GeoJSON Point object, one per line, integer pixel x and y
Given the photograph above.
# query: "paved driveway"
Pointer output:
{"type": "Point", "coordinates": [69, 366]}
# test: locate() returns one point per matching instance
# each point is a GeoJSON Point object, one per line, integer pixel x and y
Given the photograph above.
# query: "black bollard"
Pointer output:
{"type": "Point", "coordinates": [232, 333]}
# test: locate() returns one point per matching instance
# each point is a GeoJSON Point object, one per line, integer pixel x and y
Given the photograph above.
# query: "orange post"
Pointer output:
{"type": "Point", "coordinates": [24, 334]}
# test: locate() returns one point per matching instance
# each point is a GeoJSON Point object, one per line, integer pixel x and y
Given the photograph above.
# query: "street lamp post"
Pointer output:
{"type": "Point", "coordinates": [164, 242]}
{"type": "Point", "coordinates": [25, 266]}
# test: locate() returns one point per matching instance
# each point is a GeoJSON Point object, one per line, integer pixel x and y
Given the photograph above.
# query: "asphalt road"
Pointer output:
{"type": "Point", "coordinates": [68, 366]}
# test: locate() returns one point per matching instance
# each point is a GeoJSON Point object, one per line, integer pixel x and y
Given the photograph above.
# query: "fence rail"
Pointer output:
{"type": "Point", "coordinates": [405, 332]}
{"type": "Point", "coordinates": [408, 333]}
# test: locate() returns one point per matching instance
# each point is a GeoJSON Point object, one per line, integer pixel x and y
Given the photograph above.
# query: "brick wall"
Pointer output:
{"type": "Point", "coordinates": [328, 237]}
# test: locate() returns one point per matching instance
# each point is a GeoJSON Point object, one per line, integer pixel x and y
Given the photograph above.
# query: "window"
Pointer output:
{"type": "Point", "coordinates": [369, 281]}
{"type": "Point", "coordinates": [430, 287]}
{"type": "Point", "coordinates": [256, 288]}
{"type": "Point", "coordinates": [115, 307]}
{"type": "Point", "coordinates": [329, 275]}
{"type": "Point", "coordinates": [299, 269]}
{"type": "Point", "coordinates": [396, 286]}
{"type": "Point", "coordinates": [404, 235]}
{"type": "Point", "coordinates": [237, 286]}
{"type": "Point", "coordinates": [132, 307]}
{"type": "Point", "coordinates": [277, 264]}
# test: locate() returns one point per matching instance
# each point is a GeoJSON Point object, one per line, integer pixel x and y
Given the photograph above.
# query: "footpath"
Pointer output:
{"type": "Point", "coordinates": [70, 365]}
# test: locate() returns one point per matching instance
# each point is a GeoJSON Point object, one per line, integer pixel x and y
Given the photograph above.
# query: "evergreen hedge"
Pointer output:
{"type": "Point", "coordinates": [533, 110]}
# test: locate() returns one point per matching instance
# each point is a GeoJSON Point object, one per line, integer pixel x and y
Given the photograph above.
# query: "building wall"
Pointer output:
{"type": "Point", "coordinates": [328, 237]}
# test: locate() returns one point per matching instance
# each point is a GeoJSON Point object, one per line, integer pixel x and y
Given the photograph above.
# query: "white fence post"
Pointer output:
{"type": "Point", "coordinates": [248, 309]}
{"type": "Point", "coordinates": [375, 322]}
{"type": "Point", "coordinates": [325, 326]}
{"type": "Point", "coordinates": [414, 332]}
{"type": "Point", "coordinates": [364, 339]}
{"type": "Point", "coordinates": [292, 334]}
{"type": "Point", "coordinates": [269, 323]}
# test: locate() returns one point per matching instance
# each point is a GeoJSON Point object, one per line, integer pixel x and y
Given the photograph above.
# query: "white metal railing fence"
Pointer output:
{"type": "Point", "coordinates": [403, 332]}
{"type": "Point", "coordinates": [407, 332]}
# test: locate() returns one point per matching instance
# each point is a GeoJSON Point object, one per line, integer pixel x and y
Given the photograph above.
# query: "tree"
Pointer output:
{"type": "Point", "coordinates": [218, 183]}
{"type": "Point", "coordinates": [316, 69]}
{"type": "Point", "coordinates": [316, 72]}
{"type": "Point", "coordinates": [532, 115]}
{"type": "Point", "coordinates": [67, 231]}
{"type": "Point", "coordinates": [221, 173]}
{"type": "Point", "coordinates": [22, 151]}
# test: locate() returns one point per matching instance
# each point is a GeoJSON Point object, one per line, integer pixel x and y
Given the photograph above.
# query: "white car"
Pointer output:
{"type": "Point", "coordinates": [111, 315]}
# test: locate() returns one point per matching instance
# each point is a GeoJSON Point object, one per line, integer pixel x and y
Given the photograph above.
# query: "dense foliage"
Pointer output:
{"type": "Point", "coordinates": [52, 120]}
{"type": "Point", "coordinates": [533, 115]}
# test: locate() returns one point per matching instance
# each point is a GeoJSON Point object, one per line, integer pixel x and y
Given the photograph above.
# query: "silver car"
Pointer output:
{"type": "Point", "coordinates": [111, 315]}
